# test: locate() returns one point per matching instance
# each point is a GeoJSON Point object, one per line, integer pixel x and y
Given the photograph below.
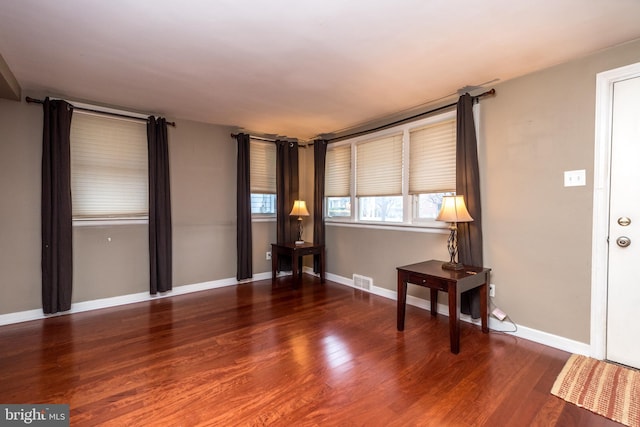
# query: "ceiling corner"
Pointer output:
{"type": "Point", "coordinates": [9, 86]}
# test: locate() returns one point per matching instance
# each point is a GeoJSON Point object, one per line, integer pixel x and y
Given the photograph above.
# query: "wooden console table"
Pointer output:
{"type": "Point", "coordinates": [430, 274]}
{"type": "Point", "coordinates": [296, 252]}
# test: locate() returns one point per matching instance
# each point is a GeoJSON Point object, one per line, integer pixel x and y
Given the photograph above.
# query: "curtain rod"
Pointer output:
{"type": "Point", "coordinates": [107, 113]}
{"type": "Point", "coordinates": [235, 135]}
{"type": "Point", "coordinates": [261, 138]}
{"type": "Point", "coordinates": [407, 119]}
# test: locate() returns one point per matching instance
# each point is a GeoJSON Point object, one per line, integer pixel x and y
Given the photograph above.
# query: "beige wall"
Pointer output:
{"type": "Point", "coordinates": [113, 260]}
{"type": "Point", "coordinates": [538, 232]}
{"type": "Point", "coordinates": [376, 253]}
{"type": "Point", "coordinates": [20, 157]}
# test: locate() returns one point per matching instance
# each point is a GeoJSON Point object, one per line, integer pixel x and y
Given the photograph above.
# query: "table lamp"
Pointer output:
{"type": "Point", "coordinates": [454, 211]}
{"type": "Point", "coordinates": [299, 210]}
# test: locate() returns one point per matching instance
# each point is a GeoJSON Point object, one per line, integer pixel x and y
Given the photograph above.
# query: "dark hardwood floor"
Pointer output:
{"type": "Point", "coordinates": [252, 355]}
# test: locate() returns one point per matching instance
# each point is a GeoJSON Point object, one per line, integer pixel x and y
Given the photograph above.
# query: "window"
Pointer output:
{"type": "Point", "coordinates": [379, 179]}
{"type": "Point", "coordinates": [263, 178]}
{"type": "Point", "coordinates": [395, 176]}
{"type": "Point", "coordinates": [432, 167]}
{"type": "Point", "coordinates": [109, 167]}
{"type": "Point", "coordinates": [338, 182]}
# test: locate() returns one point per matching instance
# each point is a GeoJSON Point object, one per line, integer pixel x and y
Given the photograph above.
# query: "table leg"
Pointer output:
{"type": "Point", "coordinates": [300, 267]}
{"type": "Point", "coordinates": [402, 299]}
{"type": "Point", "coordinates": [322, 255]}
{"type": "Point", "coordinates": [294, 269]}
{"type": "Point", "coordinates": [454, 319]}
{"type": "Point", "coordinates": [434, 302]}
{"type": "Point", "coordinates": [274, 264]}
{"type": "Point", "coordinates": [484, 315]}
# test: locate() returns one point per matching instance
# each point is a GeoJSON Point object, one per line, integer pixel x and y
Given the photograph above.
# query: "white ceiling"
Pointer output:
{"type": "Point", "coordinates": [294, 68]}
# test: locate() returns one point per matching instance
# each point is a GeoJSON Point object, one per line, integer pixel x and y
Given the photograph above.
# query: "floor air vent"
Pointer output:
{"type": "Point", "coordinates": [362, 282]}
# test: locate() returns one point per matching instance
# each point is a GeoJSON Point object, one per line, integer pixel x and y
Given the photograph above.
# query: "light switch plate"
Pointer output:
{"type": "Point", "coordinates": [575, 178]}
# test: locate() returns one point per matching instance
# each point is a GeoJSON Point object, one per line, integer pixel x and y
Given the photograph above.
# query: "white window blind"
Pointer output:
{"type": "Point", "coordinates": [263, 167]}
{"type": "Point", "coordinates": [109, 167]}
{"type": "Point", "coordinates": [432, 167]}
{"type": "Point", "coordinates": [338, 172]}
{"type": "Point", "coordinates": [379, 167]}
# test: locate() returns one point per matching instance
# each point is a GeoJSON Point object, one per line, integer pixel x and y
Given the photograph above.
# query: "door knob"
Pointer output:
{"type": "Point", "coordinates": [623, 241]}
{"type": "Point", "coordinates": [624, 221]}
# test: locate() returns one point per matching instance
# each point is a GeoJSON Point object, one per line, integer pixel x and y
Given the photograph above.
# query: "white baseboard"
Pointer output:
{"type": "Point", "coordinates": [524, 332]}
{"type": "Point", "coordinates": [541, 337]}
{"type": "Point", "coordinates": [21, 316]}
{"type": "Point", "coordinates": [25, 316]}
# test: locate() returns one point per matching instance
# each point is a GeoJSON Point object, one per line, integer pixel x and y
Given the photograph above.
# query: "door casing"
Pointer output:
{"type": "Point", "coordinates": [601, 193]}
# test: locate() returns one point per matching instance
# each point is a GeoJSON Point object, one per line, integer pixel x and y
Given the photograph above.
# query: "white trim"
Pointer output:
{"type": "Point", "coordinates": [601, 188]}
{"type": "Point", "coordinates": [436, 228]}
{"type": "Point", "coordinates": [25, 316]}
{"type": "Point", "coordinates": [263, 218]}
{"type": "Point", "coordinates": [524, 332]}
{"type": "Point", "coordinates": [109, 222]}
{"type": "Point", "coordinates": [21, 316]}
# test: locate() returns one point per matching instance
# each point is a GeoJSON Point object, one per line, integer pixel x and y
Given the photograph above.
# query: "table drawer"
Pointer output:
{"type": "Point", "coordinates": [416, 279]}
{"type": "Point", "coordinates": [430, 282]}
{"type": "Point", "coordinates": [441, 285]}
{"type": "Point", "coordinates": [306, 251]}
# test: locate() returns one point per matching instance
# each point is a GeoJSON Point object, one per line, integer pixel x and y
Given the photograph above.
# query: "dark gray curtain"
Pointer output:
{"type": "Point", "coordinates": [319, 161]}
{"type": "Point", "coordinates": [57, 254]}
{"type": "Point", "coordinates": [244, 245]}
{"type": "Point", "coordinates": [468, 185]}
{"type": "Point", "coordinates": [160, 259]}
{"type": "Point", "coordinates": [286, 193]}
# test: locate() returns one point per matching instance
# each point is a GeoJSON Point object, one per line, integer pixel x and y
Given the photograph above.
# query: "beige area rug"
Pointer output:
{"type": "Point", "coordinates": [604, 388]}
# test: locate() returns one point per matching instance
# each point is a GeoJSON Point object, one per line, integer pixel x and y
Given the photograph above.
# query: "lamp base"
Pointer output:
{"type": "Point", "coordinates": [452, 266]}
{"type": "Point", "coordinates": [299, 242]}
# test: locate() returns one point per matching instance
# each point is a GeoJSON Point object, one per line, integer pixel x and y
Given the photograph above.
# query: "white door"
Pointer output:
{"type": "Point", "coordinates": [623, 299]}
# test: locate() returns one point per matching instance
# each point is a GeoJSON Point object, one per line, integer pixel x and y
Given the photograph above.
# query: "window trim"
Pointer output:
{"type": "Point", "coordinates": [409, 223]}
{"type": "Point", "coordinates": [101, 222]}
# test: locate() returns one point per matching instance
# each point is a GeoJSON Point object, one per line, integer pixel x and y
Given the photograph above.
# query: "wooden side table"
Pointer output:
{"type": "Point", "coordinates": [296, 252]}
{"type": "Point", "coordinates": [430, 274]}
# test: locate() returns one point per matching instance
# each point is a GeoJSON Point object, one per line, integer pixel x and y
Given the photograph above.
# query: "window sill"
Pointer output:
{"type": "Point", "coordinates": [440, 228]}
{"type": "Point", "coordinates": [109, 222]}
{"type": "Point", "coordinates": [263, 219]}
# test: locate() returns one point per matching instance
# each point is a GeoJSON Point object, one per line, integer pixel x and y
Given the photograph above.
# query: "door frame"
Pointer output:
{"type": "Point", "coordinates": [601, 193]}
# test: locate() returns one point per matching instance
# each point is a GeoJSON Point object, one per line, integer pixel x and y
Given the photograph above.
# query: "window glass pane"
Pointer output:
{"type": "Point", "coordinates": [338, 207]}
{"type": "Point", "coordinates": [428, 205]}
{"type": "Point", "coordinates": [263, 204]}
{"type": "Point", "coordinates": [383, 209]}
{"type": "Point", "coordinates": [109, 172]}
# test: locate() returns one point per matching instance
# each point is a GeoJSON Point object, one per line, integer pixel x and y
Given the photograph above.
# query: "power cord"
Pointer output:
{"type": "Point", "coordinates": [492, 306]}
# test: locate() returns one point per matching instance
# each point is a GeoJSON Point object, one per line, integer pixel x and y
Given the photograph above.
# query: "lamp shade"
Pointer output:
{"type": "Point", "coordinates": [453, 210]}
{"type": "Point", "coordinates": [299, 208]}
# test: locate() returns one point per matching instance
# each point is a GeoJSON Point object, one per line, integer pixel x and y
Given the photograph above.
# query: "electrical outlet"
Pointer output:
{"type": "Point", "coordinates": [268, 256]}
{"type": "Point", "coordinates": [492, 290]}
